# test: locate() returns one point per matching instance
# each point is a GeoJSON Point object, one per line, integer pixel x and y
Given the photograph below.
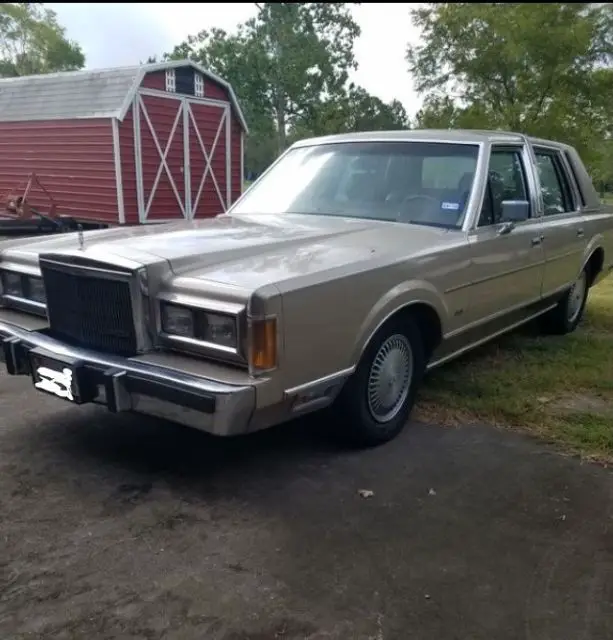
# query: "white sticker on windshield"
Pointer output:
{"type": "Point", "coordinates": [450, 206]}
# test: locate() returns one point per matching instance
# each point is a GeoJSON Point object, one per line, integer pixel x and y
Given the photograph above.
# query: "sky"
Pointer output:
{"type": "Point", "coordinates": [119, 34]}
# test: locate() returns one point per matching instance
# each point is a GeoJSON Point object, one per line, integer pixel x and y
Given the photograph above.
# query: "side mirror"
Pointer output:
{"type": "Point", "coordinates": [515, 210]}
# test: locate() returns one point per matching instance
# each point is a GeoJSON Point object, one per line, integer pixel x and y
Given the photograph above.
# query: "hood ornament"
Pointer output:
{"type": "Point", "coordinates": [81, 238]}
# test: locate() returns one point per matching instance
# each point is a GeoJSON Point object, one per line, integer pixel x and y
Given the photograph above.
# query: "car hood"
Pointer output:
{"type": "Point", "coordinates": [246, 252]}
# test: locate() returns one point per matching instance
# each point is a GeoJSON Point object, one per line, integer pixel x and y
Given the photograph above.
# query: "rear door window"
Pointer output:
{"type": "Point", "coordinates": [555, 186]}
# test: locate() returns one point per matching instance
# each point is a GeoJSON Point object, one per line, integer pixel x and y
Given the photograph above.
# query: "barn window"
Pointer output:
{"type": "Point", "coordinates": [171, 82]}
{"type": "Point", "coordinates": [198, 85]}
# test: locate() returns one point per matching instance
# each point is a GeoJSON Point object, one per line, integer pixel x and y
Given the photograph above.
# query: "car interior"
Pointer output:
{"type": "Point", "coordinates": [395, 188]}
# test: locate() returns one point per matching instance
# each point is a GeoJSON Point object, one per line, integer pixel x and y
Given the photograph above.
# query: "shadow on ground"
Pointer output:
{"type": "Point", "coordinates": [133, 528]}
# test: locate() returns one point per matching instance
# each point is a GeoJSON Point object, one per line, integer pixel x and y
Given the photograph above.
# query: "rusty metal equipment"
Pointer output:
{"type": "Point", "coordinates": [19, 216]}
{"type": "Point", "coordinates": [17, 205]}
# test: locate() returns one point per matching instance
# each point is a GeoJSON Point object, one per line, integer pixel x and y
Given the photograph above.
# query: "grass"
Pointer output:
{"type": "Point", "coordinates": [559, 388]}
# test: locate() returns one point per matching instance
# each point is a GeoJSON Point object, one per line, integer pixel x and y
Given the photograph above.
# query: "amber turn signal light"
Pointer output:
{"type": "Point", "coordinates": [263, 344]}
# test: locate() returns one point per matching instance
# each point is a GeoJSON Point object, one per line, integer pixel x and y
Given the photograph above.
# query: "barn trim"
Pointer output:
{"type": "Point", "coordinates": [187, 164]}
{"type": "Point", "coordinates": [185, 113]}
{"type": "Point", "coordinates": [162, 66]}
{"type": "Point", "coordinates": [118, 178]}
{"type": "Point", "coordinates": [138, 163]}
{"type": "Point", "coordinates": [154, 93]}
{"type": "Point", "coordinates": [228, 162]}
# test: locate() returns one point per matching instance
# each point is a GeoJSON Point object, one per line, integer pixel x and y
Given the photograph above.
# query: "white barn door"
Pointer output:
{"type": "Point", "coordinates": [182, 157]}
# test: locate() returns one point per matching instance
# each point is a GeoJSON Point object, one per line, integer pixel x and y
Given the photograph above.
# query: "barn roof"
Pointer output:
{"type": "Point", "coordinates": [96, 93]}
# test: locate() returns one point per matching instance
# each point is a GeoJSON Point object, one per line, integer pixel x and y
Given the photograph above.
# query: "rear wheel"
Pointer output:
{"type": "Point", "coordinates": [375, 404]}
{"type": "Point", "coordinates": [565, 317]}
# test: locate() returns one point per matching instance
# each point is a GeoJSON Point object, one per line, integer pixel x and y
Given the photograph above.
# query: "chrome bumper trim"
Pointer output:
{"type": "Point", "coordinates": [123, 384]}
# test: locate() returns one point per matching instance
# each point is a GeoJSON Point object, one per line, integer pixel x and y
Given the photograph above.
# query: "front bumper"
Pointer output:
{"type": "Point", "coordinates": [122, 384]}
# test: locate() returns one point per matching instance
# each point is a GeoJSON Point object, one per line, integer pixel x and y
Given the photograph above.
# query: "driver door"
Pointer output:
{"type": "Point", "coordinates": [507, 268]}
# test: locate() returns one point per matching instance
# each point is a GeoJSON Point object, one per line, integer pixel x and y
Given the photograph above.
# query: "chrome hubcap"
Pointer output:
{"type": "Point", "coordinates": [390, 377]}
{"type": "Point", "coordinates": [575, 297]}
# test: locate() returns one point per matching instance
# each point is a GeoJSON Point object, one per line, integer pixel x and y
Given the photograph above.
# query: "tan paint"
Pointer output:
{"type": "Point", "coordinates": [332, 281]}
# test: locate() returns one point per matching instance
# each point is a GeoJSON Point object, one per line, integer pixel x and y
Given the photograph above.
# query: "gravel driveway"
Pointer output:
{"type": "Point", "coordinates": [131, 528]}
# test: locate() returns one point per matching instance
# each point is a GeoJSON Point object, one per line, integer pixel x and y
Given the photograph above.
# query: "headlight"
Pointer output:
{"type": "Point", "coordinates": [186, 322]}
{"type": "Point", "coordinates": [35, 290]}
{"type": "Point", "coordinates": [178, 321]}
{"type": "Point", "coordinates": [20, 285]}
{"type": "Point", "coordinates": [12, 284]}
{"type": "Point", "coordinates": [219, 329]}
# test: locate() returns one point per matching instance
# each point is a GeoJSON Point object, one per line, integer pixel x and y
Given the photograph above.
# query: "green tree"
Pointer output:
{"type": "Point", "coordinates": [287, 59]}
{"type": "Point", "coordinates": [354, 110]}
{"type": "Point", "coordinates": [536, 68]}
{"type": "Point", "coordinates": [32, 41]}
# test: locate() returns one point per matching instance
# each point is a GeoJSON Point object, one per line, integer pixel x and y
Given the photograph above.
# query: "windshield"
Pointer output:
{"type": "Point", "coordinates": [413, 182]}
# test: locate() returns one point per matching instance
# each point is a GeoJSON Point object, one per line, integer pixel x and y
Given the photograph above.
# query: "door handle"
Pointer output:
{"type": "Point", "coordinates": [580, 233]}
{"type": "Point", "coordinates": [536, 242]}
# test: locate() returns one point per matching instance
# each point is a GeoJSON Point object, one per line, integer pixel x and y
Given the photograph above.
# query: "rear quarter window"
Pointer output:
{"type": "Point", "coordinates": [574, 178]}
{"type": "Point", "coordinates": [554, 182]}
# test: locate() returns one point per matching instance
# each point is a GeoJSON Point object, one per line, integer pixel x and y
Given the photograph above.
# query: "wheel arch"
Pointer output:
{"type": "Point", "coordinates": [418, 299]}
{"type": "Point", "coordinates": [593, 259]}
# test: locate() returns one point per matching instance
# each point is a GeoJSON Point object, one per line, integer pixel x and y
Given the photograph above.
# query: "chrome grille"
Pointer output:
{"type": "Point", "coordinates": [90, 311]}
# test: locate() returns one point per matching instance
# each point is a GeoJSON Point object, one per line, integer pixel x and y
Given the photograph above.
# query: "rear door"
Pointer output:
{"type": "Point", "coordinates": [507, 267]}
{"type": "Point", "coordinates": [564, 237]}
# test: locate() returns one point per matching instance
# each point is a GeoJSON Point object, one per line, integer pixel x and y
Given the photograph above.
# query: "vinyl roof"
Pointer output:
{"type": "Point", "coordinates": [96, 93]}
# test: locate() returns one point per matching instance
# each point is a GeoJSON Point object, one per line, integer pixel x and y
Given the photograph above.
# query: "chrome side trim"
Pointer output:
{"type": "Point", "coordinates": [314, 384]}
{"type": "Point", "coordinates": [474, 345]}
{"type": "Point", "coordinates": [316, 394]}
{"type": "Point", "coordinates": [491, 318]}
{"type": "Point", "coordinates": [472, 283]}
{"type": "Point", "coordinates": [473, 206]}
{"type": "Point", "coordinates": [23, 304]}
{"type": "Point", "coordinates": [84, 270]}
{"type": "Point", "coordinates": [202, 303]}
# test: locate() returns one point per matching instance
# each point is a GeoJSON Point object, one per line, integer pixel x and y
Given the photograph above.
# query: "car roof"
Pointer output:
{"type": "Point", "coordinates": [468, 136]}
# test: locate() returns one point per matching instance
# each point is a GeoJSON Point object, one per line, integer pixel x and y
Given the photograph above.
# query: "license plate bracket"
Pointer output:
{"type": "Point", "coordinates": [62, 377]}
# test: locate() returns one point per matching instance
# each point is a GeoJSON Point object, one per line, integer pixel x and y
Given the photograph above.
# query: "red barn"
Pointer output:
{"type": "Point", "coordinates": [124, 146]}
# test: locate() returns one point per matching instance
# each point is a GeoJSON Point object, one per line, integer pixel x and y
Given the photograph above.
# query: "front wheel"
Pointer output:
{"type": "Point", "coordinates": [375, 404]}
{"type": "Point", "coordinates": [565, 317]}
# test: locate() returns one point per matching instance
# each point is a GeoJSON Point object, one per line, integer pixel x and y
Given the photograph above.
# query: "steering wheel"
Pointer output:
{"type": "Point", "coordinates": [411, 198]}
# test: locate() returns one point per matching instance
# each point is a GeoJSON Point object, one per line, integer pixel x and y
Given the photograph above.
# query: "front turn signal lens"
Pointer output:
{"type": "Point", "coordinates": [263, 344]}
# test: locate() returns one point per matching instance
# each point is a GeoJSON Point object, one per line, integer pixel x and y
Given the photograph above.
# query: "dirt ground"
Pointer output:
{"type": "Point", "coordinates": [131, 528]}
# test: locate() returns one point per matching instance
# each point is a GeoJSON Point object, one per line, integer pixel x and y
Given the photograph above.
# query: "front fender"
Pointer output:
{"type": "Point", "coordinates": [399, 297]}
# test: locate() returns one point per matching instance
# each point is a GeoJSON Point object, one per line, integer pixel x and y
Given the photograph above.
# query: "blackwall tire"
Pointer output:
{"type": "Point", "coordinates": [375, 403]}
{"type": "Point", "coordinates": [567, 314]}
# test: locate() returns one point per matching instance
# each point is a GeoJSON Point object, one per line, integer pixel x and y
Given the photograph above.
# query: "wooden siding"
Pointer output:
{"type": "Point", "coordinates": [73, 159]}
{"type": "Point", "coordinates": [155, 80]}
